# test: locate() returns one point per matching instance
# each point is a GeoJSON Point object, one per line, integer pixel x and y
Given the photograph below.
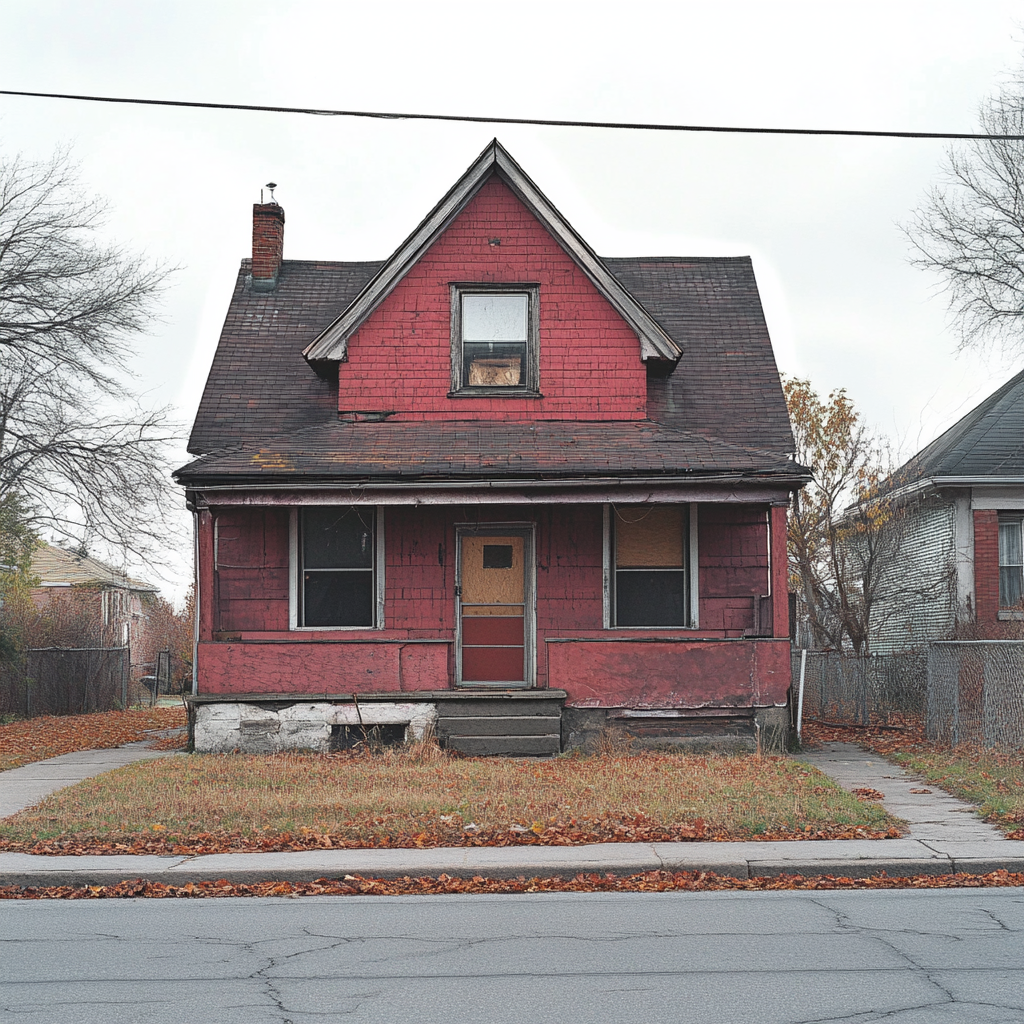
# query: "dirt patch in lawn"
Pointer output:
{"type": "Point", "coordinates": [426, 798]}
{"type": "Point", "coordinates": [992, 780]}
{"type": "Point", "coordinates": [36, 739]}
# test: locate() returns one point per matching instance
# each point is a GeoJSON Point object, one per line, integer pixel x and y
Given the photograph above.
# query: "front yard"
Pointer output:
{"type": "Point", "coordinates": [424, 797]}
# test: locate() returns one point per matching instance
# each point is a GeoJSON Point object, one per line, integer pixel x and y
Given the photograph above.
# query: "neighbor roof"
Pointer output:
{"type": "Point", "coordinates": [56, 567]}
{"type": "Point", "coordinates": [986, 444]}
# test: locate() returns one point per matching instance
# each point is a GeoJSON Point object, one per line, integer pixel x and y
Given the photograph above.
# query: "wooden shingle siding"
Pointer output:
{"type": "Point", "coordinates": [399, 361]}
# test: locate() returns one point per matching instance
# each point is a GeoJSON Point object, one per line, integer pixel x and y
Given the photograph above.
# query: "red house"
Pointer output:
{"type": "Point", "coordinates": [495, 485]}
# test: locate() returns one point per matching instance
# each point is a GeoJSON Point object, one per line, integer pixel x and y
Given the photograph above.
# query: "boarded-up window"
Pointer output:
{"type": "Point", "coordinates": [336, 548]}
{"type": "Point", "coordinates": [649, 543]}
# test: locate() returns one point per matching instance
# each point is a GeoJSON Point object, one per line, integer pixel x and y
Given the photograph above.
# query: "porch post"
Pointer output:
{"type": "Point", "coordinates": [780, 572]}
{"type": "Point", "coordinates": [206, 583]}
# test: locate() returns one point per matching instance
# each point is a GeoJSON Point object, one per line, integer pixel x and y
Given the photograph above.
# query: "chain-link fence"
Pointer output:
{"type": "Point", "coordinates": [66, 681]}
{"type": "Point", "coordinates": [873, 689]}
{"type": "Point", "coordinates": [976, 692]}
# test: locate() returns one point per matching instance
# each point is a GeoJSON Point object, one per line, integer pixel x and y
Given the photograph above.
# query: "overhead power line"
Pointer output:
{"type": "Point", "coordinates": [543, 122]}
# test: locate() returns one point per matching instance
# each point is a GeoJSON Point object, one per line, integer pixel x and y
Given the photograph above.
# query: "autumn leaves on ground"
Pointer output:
{"type": "Point", "coordinates": [36, 739]}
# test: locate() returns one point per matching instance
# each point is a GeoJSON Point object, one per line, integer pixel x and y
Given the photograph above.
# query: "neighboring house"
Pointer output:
{"type": "Point", "coordinates": [495, 483]}
{"type": "Point", "coordinates": [962, 500]}
{"type": "Point", "coordinates": [113, 604]}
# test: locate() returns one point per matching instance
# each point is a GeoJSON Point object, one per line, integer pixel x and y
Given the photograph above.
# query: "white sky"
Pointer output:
{"type": "Point", "coordinates": [819, 216]}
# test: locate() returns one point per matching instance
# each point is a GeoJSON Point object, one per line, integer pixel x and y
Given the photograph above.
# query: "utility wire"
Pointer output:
{"type": "Point", "coordinates": [544, 122]}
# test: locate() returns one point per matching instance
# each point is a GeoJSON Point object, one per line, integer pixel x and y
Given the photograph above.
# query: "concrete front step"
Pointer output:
{"type": "Point", "coordinates": [500, 725]}
{"type": "Point", "coordinates": [518, 705]}
{"type": "Point", "coordinates": [506, 746]}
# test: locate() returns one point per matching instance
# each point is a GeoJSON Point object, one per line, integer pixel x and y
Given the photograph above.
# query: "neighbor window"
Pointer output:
{"type": "Point", "coordinates": [494, 339]}
{"type": "Point", "coordinates": [649, 549]}
{"type": "Point", "coordinates": [1011, 562]}
{"type": "Point", "coordinates": [337, 555]}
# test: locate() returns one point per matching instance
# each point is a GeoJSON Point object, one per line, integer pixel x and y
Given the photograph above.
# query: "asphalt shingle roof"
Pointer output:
{"type": "Point", "coordinates": [54, 565]}
{"type": "Point", "coordinates": [987, 442]}
{"type": "Point", "coordinates": [720, 410]}
{"type": "Point", "coordinates": [472, 449]}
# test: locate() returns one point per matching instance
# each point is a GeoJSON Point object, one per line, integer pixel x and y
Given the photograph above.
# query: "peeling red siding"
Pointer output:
{"type": "Point", "coordinates": [252, 569]}
{"type": "Point", "coordinates": [399, 361]}
{"type": "Point", "coordinates": [322, 667]}
{"type": "Point", "coordinates": [732, 550]}
{"type": "Point", "coordinates": [724, 674]}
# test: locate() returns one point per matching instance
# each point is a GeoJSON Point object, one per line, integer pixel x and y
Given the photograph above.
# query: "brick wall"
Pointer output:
{"type": "Point", "coordinates": [400, 359]}
{"type": "Point", "coordinates": [986, 565]}
{"type": "Point", "coordinates": [267, 241]}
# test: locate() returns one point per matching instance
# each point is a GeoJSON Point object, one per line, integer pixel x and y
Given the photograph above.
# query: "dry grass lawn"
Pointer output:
{"type": "Point", "coordinates": [429, 798]}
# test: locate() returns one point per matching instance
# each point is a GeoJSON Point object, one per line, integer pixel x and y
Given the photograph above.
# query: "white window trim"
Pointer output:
{"type": "Point", "coordinates": [608, 574]}
{"type": "Point", "coordinates": [293, 577]}
{"type": "Point", "coordinates": [1008, 613]}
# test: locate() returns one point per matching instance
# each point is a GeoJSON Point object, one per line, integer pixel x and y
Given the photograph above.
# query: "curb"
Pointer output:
{"type": "Point", "coordinates": [854, 859]}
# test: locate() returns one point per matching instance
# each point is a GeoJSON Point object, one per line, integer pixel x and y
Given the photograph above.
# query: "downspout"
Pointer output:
{"type": "Point", "coordinates": [195, 583]}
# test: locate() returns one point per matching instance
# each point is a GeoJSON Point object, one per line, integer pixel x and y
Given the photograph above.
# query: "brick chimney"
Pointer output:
{"type": "Point", "coordinates": [267, 245]}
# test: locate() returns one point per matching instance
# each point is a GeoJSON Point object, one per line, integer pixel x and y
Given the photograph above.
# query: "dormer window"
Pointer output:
{"type": "Point", "coordinates": [494, 339]}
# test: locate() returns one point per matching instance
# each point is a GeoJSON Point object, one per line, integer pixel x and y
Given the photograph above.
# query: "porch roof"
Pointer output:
{"type": "Point", "coordinates": [469, 449]}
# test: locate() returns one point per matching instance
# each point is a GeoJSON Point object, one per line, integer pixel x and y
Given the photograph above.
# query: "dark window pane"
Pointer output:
{"type": "Point", "coordinates": [337, 538]}
{"type": "Point", "coordinates": [497, 556]}
{"type": "Point", "coordinates": [337, 599]}
{"type": "Point", "coordinates": [648, 598]}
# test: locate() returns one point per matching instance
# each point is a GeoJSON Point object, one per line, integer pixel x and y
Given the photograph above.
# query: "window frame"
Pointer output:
{"type": "Point", "coordinates": [691, 580]}
{"type": "Point", "coordinates": [530, 387]}
{"type": "Point", "coordinates": [1005, 519]}
{"type": "Point", "coordinates": [295, 571]}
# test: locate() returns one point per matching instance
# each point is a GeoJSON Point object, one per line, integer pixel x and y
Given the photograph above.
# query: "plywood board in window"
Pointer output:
{"type": "Point", "coordinates": [491, 586]}
{"type": "Point", "coordinates": [649, 536]}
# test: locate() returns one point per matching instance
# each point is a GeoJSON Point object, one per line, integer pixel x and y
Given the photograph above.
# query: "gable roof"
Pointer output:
{"type": "Point", "coordinates": [727, 387]}
{"type": "Point", "coordinates": [56, 567]}
{"type": "Point", "coordinates": [332, 342]}
{"type": "Point", "coordinates": [986, 445]}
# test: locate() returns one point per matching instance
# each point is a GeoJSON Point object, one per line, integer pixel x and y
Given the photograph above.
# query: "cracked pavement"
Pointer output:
{"type": "Point", "coordinates": [905, 957]}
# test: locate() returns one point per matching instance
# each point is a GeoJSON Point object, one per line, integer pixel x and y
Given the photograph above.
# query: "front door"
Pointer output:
{"type": "Point", "coordinates": [494, 608]}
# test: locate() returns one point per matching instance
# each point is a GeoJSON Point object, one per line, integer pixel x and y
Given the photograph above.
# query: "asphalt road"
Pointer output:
{"type": "Point", "coordinates": [906, 957]}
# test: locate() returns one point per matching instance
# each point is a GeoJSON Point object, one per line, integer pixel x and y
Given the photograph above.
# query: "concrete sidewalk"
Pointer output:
{"type": "Point", "coordinates": [944, 837]}
{"type": "Point", "coordinates": [22, 787]}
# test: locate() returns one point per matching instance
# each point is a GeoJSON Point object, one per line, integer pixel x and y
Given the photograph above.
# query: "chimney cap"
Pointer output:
{"type": "Point", "coordinates": [271, 185]}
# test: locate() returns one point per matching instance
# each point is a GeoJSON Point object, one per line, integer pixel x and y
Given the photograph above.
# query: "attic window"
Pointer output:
{"type": "Point", "coordinates": [494, 339]}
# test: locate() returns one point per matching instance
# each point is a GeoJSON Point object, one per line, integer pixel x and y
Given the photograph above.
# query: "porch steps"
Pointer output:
{"type": "Point", "coordinates": [502, 724]}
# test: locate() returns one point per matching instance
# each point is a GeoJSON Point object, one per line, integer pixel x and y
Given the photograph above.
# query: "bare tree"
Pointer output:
{"type": "Point", "coordinates": [85, 459]}
{"type": "Point", "coordinates": [846, 528]}
{"type": "Point", "coordinates": [970, 228]}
